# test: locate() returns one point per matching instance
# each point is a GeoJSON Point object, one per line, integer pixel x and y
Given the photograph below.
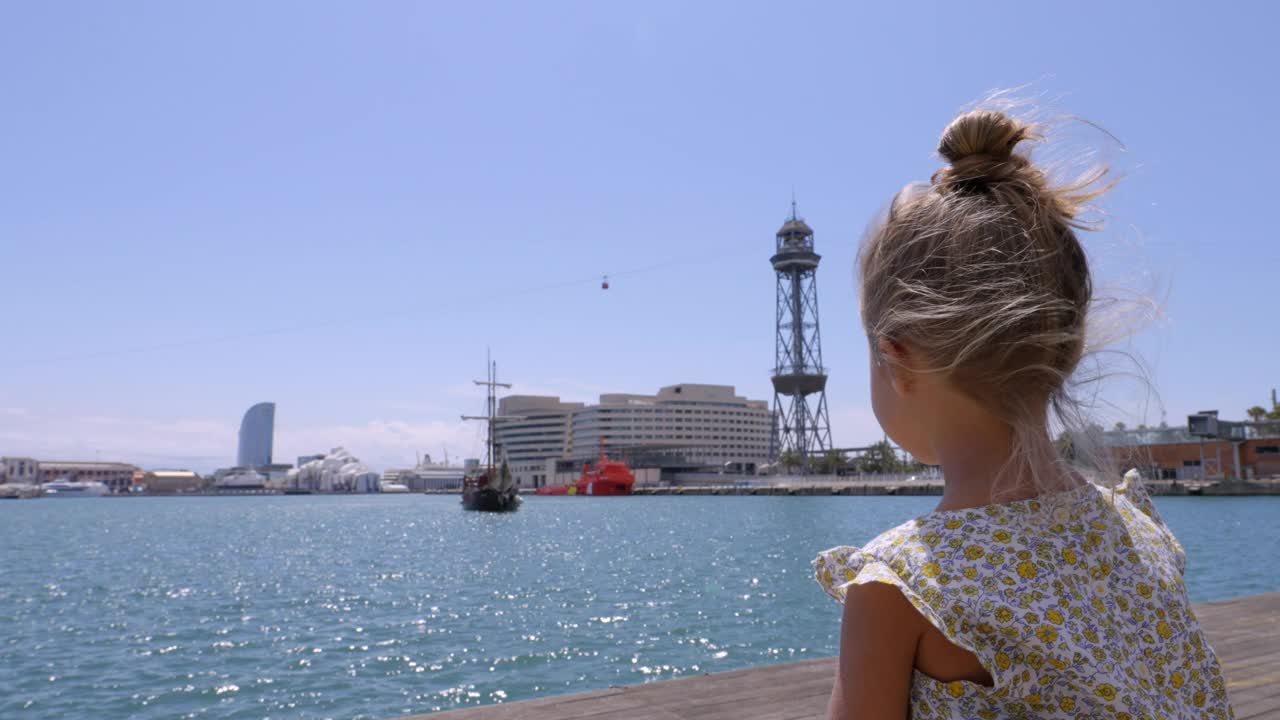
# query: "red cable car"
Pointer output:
{"type": "Point", "coordinates": [604, 284]}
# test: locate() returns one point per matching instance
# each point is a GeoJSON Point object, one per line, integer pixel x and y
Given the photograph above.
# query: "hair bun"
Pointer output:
{"type": "Point", "coordinates": [979, 145]}
{"type": "Point", "coordinates": [982, 132]}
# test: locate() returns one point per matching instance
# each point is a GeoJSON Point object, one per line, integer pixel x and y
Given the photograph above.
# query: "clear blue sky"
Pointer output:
{"type": "Point", "coordinates": [338, 206]}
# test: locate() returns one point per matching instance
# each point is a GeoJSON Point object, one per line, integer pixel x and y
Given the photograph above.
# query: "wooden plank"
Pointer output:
{"type": "Point", "coordinates": [1244, 631]}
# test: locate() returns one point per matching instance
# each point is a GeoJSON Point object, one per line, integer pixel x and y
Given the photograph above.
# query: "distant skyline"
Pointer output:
{"type": "Point", "coordinates": [338, 207]}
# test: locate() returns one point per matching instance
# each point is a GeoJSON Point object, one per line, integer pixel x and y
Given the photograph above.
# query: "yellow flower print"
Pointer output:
{"type": "Point", "coordinates": [973, 552]}
{"type": "Point", "coordinates": [1004, 614]}
{"type": "Point", "coordinates": [931, 539]}
{"type": "Point", "coordinates": [1163, 630]}
{"type": "Point", "coordinates": [1106, 692]}
{"type": "Point", "coordinates": [1027, 569]}
{"type": "Point", "coordinates": [1035, 660]}
{"type": "Point", "coordinates": [1069, 556]}
{"type": "Point", "coordinates": [1067, 704]}
{"type": "Point", "coordinates": [995, 558]}
{"type": "Point", "coordinates": [849, 574]}
{"type": "Point", "coordinates": [970, 573]}
{"type": "Point", "coordinates": [952, 524]}
{"type": "Point", "coordinates": [1198, 698]}
{"type": "Point", "coordinates": [1144, 590]}
{"type": "Point", "coordinates": [1002, 536]}
{"type": "Point", "coordinates": [1176, 679]}
{"type": "Point", "coordinates": [1100, 570]}
{"type": "Point", "coordinates": [1046, 633]}
{"type": "Point", "coordinates": [955, 689]}
{"type": "Point", "coordinates": [1053, 616]}
{"type": "Point", "coordinates": [1002, 661]}
{"type": "Point", "coordinates": [930, 569]}
{"type": "Point", "coordinates": [1094, 538]}
{"type": "Point", "coordinates": [1097, 525]}
{"type": "Point", "coordinates": [1091, 635]}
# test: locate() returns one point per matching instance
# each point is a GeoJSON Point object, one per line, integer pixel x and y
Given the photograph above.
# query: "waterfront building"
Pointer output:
{"type": "Point", "coordinates": [257, 432]}
{"type": "Point", "coordinates": [164, 482]}
{"type": "Point", "coordinates": [339, 471]}
{"type": "Point", "coordinates": [1205, 449]}
{"type": "Point", "coordinates": [19, 470]}
{"type": "Point", "coordinates": [118, 477]}
{"type": "Point", "coordinates": [692, 425]}
{"type": "Point", "coordinates": [427, 475]}
{"type": "Point", "coordinates": [536, 430]}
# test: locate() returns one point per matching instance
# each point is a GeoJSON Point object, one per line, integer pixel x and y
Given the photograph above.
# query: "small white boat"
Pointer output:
{"type": "Point", "coordinates": [64, 488]}
{"type": "Point", "coordinates": [392, 487]}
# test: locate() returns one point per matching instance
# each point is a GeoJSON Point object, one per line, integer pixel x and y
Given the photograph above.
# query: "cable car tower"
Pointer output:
{"type": "Point", "coordinates": [803, 426]}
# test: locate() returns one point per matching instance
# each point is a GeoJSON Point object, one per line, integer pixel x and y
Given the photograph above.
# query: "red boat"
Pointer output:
{"type": "Point", "coordinates": [605, 477]}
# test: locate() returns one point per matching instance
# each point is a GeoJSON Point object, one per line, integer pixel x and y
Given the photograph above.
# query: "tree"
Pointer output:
{"type": "Point", "coordinates": [789, 459]}
{"type": "Point", "coordinates": [881, 458]}
{"type": "Point", "coordinates": [830, 463]}
{"type": "Point", "coordinates": [1120, 425]}
{"type": "Point", "coordinates": [1256, 413]}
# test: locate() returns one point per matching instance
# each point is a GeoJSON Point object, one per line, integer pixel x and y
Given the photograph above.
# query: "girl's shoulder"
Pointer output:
{"type": "Point", "coordinates": [930, 551]}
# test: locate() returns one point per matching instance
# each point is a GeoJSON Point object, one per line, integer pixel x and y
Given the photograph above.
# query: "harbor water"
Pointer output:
{"type": "Point", "coordinates": [381, 606]}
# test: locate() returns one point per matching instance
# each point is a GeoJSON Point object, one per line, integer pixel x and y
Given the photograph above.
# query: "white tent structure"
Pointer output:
{"type": "Point", "coordinates": [339, 471]}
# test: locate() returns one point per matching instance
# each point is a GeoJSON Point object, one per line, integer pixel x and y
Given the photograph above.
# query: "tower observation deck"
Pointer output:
{"type": "Point", "coordinates": [799, 379]}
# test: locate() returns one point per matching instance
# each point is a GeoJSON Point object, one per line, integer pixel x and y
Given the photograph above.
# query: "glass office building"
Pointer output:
{"type": "Point", "coordinates": [257, 430]}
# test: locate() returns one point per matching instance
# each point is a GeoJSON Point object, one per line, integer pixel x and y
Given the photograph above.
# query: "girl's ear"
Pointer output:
{"type": "Point", "coordinates": [895, 360]}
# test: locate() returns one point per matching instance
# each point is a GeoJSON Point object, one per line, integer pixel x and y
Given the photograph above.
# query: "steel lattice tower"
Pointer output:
{"type": "Point", "coordinates": [802, 423]}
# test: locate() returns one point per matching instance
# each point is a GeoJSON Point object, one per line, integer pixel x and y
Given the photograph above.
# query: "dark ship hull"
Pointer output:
{"type": "Point", "coordinates": [490, 500]}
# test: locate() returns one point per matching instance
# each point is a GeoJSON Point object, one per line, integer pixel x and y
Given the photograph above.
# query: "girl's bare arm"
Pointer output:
{"type": "Point", "coordinates": [879, 631]}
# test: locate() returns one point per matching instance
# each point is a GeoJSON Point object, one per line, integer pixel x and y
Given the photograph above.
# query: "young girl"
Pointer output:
{"type": "Point", "coordinates": [1030, 591]}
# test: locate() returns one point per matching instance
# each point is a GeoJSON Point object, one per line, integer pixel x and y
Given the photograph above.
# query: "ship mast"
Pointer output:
{"type": "Point", "coordinates": [491, 382]}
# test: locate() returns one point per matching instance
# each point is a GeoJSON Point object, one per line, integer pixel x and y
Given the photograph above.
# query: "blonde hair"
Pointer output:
{"type": "Point", "coordinates": [981, 274]}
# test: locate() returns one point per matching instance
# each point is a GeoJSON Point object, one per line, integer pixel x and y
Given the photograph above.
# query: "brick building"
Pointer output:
{"type": "Point", "coordinates": [1231, 451]}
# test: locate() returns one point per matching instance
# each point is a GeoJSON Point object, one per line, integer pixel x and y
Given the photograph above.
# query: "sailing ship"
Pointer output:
{"type": "Point", "coordinates": [486, 488]}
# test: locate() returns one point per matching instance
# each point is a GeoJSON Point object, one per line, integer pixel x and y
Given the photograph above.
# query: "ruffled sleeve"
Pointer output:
{"type": "Point", "coordinates": [840, 567]}
{"type": "Point", "coordinates": [931, 589]}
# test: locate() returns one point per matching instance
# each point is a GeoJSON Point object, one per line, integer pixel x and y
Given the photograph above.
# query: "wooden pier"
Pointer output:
{"type": "Point", "coordinates": [1244, 631]}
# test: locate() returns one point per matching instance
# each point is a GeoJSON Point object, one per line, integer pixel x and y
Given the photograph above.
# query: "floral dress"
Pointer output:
{"type": "Point", "coordinates": [1074, 603]}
